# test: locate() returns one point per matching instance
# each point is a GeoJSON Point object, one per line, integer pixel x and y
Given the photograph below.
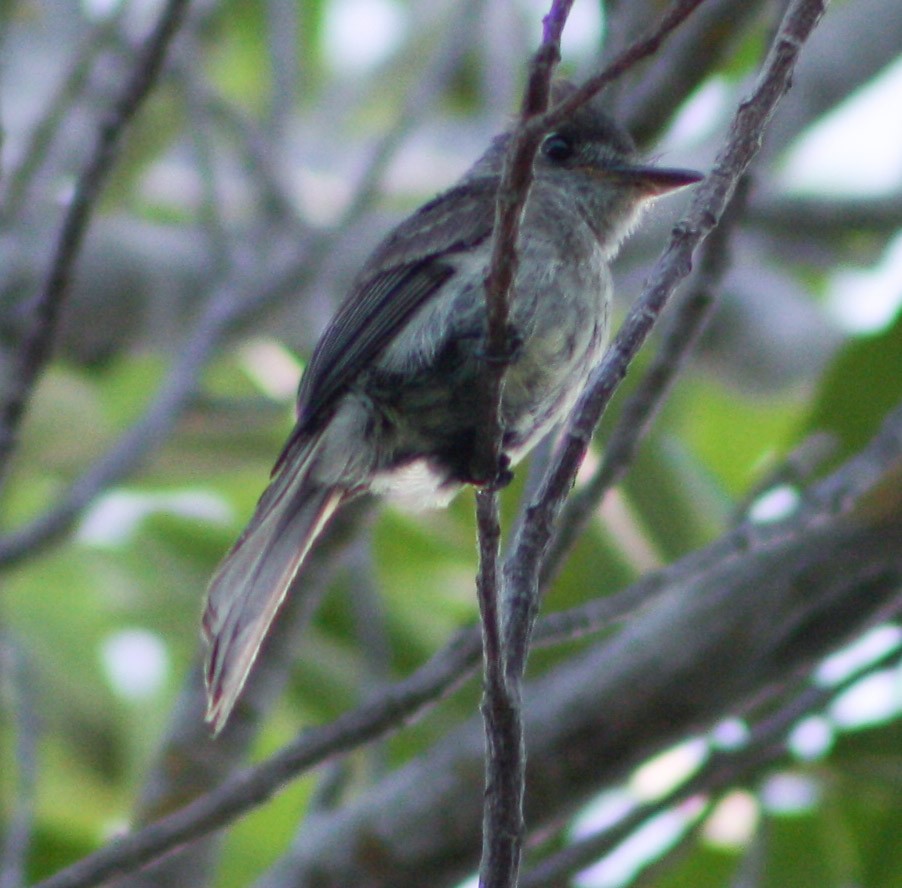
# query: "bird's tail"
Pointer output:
{"type": "Point", "coordinates": [252, 580]}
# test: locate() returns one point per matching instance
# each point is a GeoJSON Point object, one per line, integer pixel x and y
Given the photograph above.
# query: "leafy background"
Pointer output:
{"type": "Point", "coordinates": [251, 152]}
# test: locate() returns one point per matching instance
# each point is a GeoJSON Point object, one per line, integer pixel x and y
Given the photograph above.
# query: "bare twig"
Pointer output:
{"type": "Point", "coordinates": [831, 497]}
{"type": "Point", "coordinates": [644, 47]}
{"type": "Point", "coordinates": [505, 766]}
{"type": "Point", "coordinates": [35, 347]}
{"type": "Point", "coordinates": [18, 180]}
{"type": "Point", "coordinates": [647, 103]}
{"type": "Point", "coordinates": [642, 406]}
{"type": "Point", "coordinates": [764, 746]}
{"type": "Point", "coordinates": [503, 823]}
{"type": "Point", "coordinates": [20, 705]}
{"type": "Point", "coordinates": [709, 201]}
{"type": "Point", "coordinates": [503, 827]}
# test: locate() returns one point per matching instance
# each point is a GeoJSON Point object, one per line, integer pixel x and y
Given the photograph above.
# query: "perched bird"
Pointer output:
{"type": "Point", "coordinates": [390, 399]}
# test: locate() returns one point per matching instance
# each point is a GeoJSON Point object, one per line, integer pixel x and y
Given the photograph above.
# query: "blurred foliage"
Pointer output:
{"type": "Point", "coordinates": [714, 441]}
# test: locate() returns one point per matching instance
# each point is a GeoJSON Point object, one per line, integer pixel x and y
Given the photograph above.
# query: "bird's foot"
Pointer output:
{"type": "Point", "coordinates": [495, 479]}
{"type": "Point", "coordinates": [514, 342]}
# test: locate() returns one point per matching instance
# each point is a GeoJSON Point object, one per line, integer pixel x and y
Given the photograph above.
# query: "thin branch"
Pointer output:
{"type": "Point", "coordinates": [502, 829]}
{"type": "Point", "coordinates": [34, 351]}
{"type": "Point", "coordinates": [653, 94]}
{"type": "Point", "coordinates": [830, 498]}
{"type": "Point", "coordinates": [503, 823]}
{"type": "Point", "coordinates": [708, 204]}
{"type": "Point", "coordinates": [522, 584]}
{"type": "Point", "coordinates": [765, 745]}
{"type": "Point", "coordinates": [644, 47]}
{"type": "Point", "coordinates": [14, 669]}
{"type": "Point", "coordinates": [516, 180]}
{"type": "Point", "coordinates": [37, 146]}
{"type": "Point", "coordinates": [505, 761]}
{"type": "Point", "coordinates": [642, 406]}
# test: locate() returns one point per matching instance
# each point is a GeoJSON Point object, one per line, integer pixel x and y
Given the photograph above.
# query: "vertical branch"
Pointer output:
{"type": "Point", "coordinates": [522, 586]}
{"type": "Point", "coordinates": [13, 683]}
{"type": "Point", "coordinates": [513, 191]}
{"type": "Point", "coordinates": [35, 348]}
{"type": "Point", "coordinates": [501, 706]}
{"type": "Point", "coordinates": [505, 762]}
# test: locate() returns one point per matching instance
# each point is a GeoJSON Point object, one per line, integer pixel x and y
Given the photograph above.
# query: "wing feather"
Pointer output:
{"type": "Point", "coordinates": [409, 268]}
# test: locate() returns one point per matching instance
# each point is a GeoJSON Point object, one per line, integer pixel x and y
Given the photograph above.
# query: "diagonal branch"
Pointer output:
{"type": "Point", "coordinates": [35, 349]}
{"type": "Point", "coordinates": [652, 390]}
{"type": "Point", "coordinates": [766, 744]}
{"type": "Point", "coordinates": [708, 204]}
{"type": "Point", "coordinates": [835, 496]}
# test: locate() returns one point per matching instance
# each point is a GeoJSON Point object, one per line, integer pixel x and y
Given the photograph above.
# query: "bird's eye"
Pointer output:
{"type": "Point", "coordinates": [557, 147]}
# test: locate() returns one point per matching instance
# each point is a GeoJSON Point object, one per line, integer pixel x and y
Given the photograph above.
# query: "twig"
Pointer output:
{"type": "Point", "coordinates": [505, 753]}
{"type": "Point", "coordinates": [451, 667]}
{"type": "Point", "coordinates": [516, 180]}
{"type": "Point", "coordinates": [228, 305]}
{"type": "Point", "coordinates": [502, 827]}
{"type": "Point", "coordinates": [501, 708]}
{"type": "Point", "coordinates": [643, 404]}
{"type": "Point", "coordinates": [647, 103]}
{"type": "Point", "coordinates": [764, 746]}
{"type": "Point", "coordinates": [644, 47]}
{"type": "Point", "coordinates": [34, 351]}
{"type": "Point", "coordinates": [710, 199]}
{"type": "Point", "coordinates": [37, 146]}
{"type": "Point", "coordinates": [505, 764]}
{"type": "Point", "coordinates": [14, 847]}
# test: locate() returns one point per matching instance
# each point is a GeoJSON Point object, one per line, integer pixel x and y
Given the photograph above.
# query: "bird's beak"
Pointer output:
{"type": "Point", "coordinates": [654, 181]}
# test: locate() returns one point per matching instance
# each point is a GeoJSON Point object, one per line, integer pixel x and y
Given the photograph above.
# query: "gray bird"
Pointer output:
{"type": "Point", "coordinates": [390, 400]}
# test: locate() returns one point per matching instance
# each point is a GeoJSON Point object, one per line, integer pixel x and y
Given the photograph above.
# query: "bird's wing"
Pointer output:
{"type": "Point", "coordinates": [410, 271]}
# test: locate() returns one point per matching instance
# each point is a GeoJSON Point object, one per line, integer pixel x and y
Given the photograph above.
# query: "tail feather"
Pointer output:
{"type": "Point", "coordinates": [250, 584]}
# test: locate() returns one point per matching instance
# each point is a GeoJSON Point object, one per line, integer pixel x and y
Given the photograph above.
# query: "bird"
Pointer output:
{"type": "Point", "coordinates": [390, 400]}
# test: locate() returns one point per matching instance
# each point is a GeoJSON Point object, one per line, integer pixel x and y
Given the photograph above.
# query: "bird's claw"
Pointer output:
{"type": "Point", "coordinates": [514, 343]}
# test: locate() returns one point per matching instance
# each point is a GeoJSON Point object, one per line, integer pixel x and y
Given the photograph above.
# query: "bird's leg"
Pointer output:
{"type": "Point", "coordinates": [503, 474]}
{"type": "Point", "coordinates": [493, 477]}
{"type": "Point", "coordinates": [510, 355]}
{"type": "Point", "coordinates": [499, 475]}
